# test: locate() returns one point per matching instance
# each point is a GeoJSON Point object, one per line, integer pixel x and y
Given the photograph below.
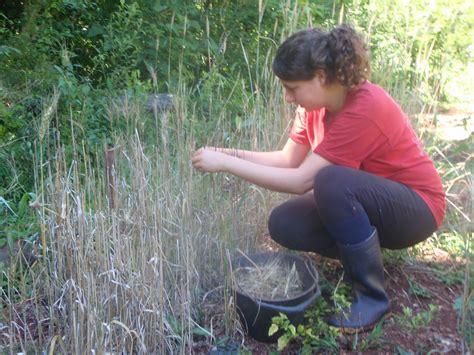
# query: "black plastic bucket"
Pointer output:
{"type": "Point", "coordinates": [256, 313]}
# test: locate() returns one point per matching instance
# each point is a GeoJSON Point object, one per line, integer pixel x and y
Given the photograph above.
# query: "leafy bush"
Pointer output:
{"type": "Point", "coordinates": [91, 51]}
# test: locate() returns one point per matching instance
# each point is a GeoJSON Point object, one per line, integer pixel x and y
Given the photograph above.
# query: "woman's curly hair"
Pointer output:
{"type": "Point", "coordinates": [340, 53]}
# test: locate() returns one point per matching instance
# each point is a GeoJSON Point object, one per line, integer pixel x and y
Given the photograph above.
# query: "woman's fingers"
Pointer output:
{"type": "Point", "coordinates": [195, 160]}
{"type": "Point", "coordinates": [198, 159]}
{"type": "Point", "coordinates": [207, 160]}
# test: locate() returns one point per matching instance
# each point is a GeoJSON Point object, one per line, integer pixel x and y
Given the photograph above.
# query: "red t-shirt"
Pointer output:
{"type": "Point", "coordinates": [373, 134]}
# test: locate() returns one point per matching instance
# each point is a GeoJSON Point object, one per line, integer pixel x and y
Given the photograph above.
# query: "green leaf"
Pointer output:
{"type": "Point", "coordinates": [292, 329]}
{"type": "Point", "coordinates": [10, 242]}
{"type": "Point", "coordinates": [8, 50]}
{"type": "Point", "coordinates": [401, 351]}
{"type": "Point", "coordinates": [23, 205]}
{"type": "Point", "coordinates": [272, 330]}
{"type": "Point", "coordinates": [283, 342]}
{"type": "Point", "coordinates": [238, 122]}
{"type": "Point", "coordinates": [85, 89]}
{"type": "Point", "coordinates": [201, 331]}
{"type": "Point", "coordinates": [158, 8]}
{"type": "Point", "coordinates": [459, 303]}
{"type": "Point", "coordinates": [175, 326]}
{"type": "Point", "coordinates": [310, 335]}
{"type": "Point", "coordinates": [96, 30]}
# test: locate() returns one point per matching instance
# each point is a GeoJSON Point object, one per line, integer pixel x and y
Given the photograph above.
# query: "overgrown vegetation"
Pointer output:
{"type": "Point", "coordinates": [128, 259]}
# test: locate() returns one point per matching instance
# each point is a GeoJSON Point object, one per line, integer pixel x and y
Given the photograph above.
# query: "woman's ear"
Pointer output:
{"type": "Point", "coordinates": [321, 76]}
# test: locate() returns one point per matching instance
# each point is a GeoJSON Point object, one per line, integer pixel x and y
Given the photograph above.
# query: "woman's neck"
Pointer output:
{"type": "Point", "coordinates": [336, 98]}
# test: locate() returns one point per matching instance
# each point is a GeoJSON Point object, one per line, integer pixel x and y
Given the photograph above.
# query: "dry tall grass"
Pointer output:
{"type": "Point", "coordinates": [131, 275]}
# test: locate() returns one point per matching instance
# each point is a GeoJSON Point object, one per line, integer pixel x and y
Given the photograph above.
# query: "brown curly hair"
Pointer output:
{"type": "Point", "coordinates": [341, 53]}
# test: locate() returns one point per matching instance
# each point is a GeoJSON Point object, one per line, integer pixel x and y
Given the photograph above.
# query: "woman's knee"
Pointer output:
{"type": "Point", "coordinates": [279, 224]}
{"type": "Point", "coordinates": [288, 231]}
{"type": "Point", "coordinates": [329, 184]}
{"type": "Point", "coordinates": [291, 216]}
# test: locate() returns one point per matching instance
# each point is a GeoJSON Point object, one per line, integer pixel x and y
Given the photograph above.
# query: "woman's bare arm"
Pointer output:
{"type": "Point", "coordinates": [297, 180]}
{"type": "Point", "coordinates": [291, 156]}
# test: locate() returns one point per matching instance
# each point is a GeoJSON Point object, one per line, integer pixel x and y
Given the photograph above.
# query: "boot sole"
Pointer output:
{"type": "Point", "coordinates": [366, 328]}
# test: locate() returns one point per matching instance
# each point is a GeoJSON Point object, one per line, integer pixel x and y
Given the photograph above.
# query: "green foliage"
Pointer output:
{"type": "Point", "coordinates": [93, 50]}
{"type": "Point", "coordinates": [416, 46]}
{"type": "Point", "coordinates": [459, 304]}
{"type": "Point", "coordinates": [17, 222]}
{"type": "Point", "coordinates": [282, 323]}
{"type": "Point", "coordinates": [401, 351]}
{"type": "Point", "coordinates": [451, 276]}
{"type": "Point", "coordinates": [370, 341]}
{"type": "Point", "coordinates": [313, 336]}
{"type": "Point", "coordinates": [178, 328]}
{"type": "Point", "coordinates": [421, 319]}
{"type": "Point", "coordinates": [341, 296]}
{"type": "Point", "coordinates": [418, 290]}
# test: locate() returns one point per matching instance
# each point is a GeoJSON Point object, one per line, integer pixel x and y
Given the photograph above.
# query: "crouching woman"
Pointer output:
{"type": "Point", "coordinates": [362, 179]}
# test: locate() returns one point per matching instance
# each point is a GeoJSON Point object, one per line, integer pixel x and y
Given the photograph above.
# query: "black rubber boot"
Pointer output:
{"type": "Point", "coordinates": [364, 267]}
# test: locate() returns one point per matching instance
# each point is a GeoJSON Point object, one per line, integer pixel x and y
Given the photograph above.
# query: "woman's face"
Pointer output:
{"type": "Point", "coordinates": [309, 94]}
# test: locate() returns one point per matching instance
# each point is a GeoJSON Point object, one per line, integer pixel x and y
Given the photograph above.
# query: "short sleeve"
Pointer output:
{"type": "Point", "coordinates": [298, 131]}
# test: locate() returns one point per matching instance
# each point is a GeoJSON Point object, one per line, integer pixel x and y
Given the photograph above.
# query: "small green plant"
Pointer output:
{"type": "Point", "coordinates": [419, 320]}
{"type": "Point", "coordinates": [178, 328]}
{"type": "Point", "coordinates": [18, 230]}
{"type": "Point", "coordinates": [464, 306]}
{"type": "Point", "coordinates": [18, 222]}
{"type": "Point", "coordinates": [418, 290]}
{"type": "Point", "coordinates": [315, 335]}
{"type": "Point", "coordinates": [341, 296]}
{"type": "Point", "coordinates": [282, 322]}
{"type": "Point", "coordinates": [370, 341]}
{"type": "Point", "coordinates": [454, 275]}
{"type": "Point", "coordinates": [401, 351]}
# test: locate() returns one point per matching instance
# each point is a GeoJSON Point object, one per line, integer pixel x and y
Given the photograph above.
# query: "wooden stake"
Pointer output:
{"type": "Point", "coordinates": [110, 175]}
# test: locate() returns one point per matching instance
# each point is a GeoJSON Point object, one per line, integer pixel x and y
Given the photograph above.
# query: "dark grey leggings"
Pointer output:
{"type": "Point", "coordinates": [399, 214]}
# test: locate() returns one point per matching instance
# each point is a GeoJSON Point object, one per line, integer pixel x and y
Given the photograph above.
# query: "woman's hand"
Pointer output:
{"type": "Point", "coordinates": [209, 160]}
{"type": "Point", "coordinates": [289, 179]}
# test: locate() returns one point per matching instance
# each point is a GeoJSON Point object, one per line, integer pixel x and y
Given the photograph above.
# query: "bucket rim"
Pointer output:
{"type": "Point", "coordinates": [310, 267]}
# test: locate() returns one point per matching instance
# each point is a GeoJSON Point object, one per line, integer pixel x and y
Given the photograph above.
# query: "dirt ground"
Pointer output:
{"type": "Point", "coordinates": [414, 283]}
